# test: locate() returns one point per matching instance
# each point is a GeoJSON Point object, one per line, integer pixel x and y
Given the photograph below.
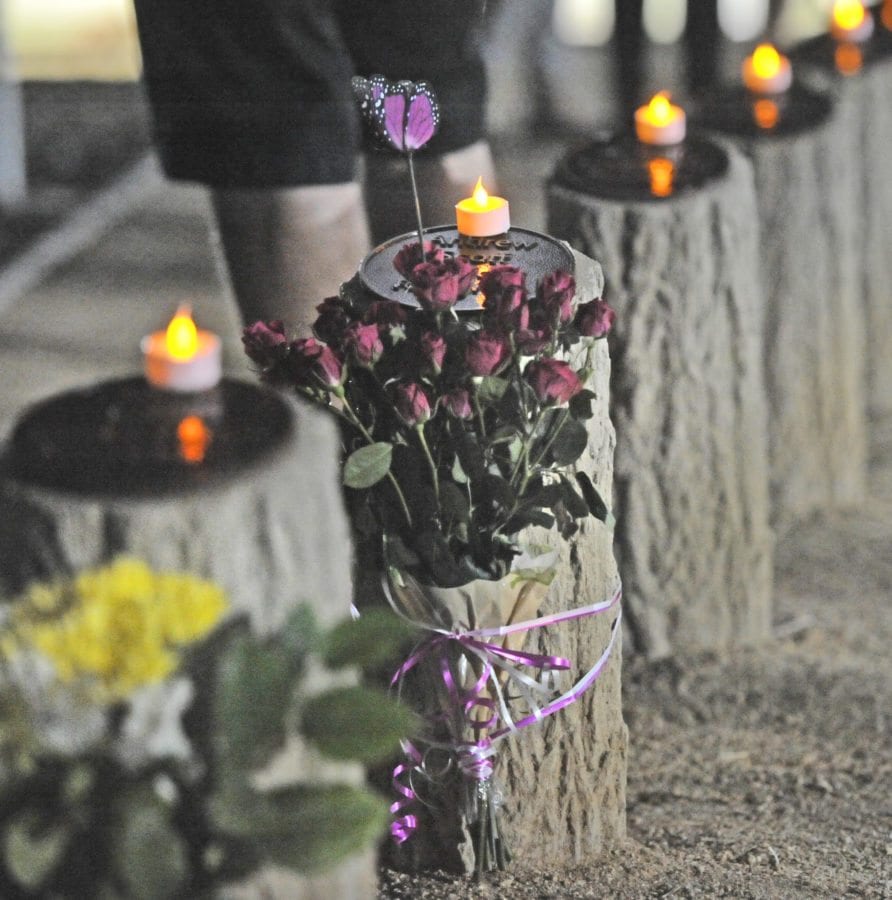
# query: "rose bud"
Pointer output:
{"type": "Point", "coordinates": [333, 319]}
{"type": "Point", "coordinates": [555, 294]}
{"type": "Point", "coordinates": [498, 279]}
{"type": "Point", "coordinates": [486, 353]}
{"type": "Point", "coordinates": [385, 314]}
{"type": "Point", "coordinates": [411, 403]}
{"type": "Point", "coordinates": [439, 285]}
{"type": "Point", "coordinates": [265, 342]}
{"type": "Point", "coordinates": [507, 309]}
{"type": "Point", "coordinates": [594, 319]}
{"type": "Point", "coordinates": [364, 343]}
{"type": "Point", "coordinates": [530, 341]}
{"type": "Point", "coordinates": [458, 403]}
{"type": "Point", "coordinates": [410, 256]}
{"type": "Point", "coordinates": [553, 381]}
{"type": "Point", "coordinates": [433, 349]}
{"type": "Point", "coordinates": [310, 359]}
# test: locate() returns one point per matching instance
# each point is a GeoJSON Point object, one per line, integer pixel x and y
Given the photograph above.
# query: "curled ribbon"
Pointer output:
{"type": "Point", "coordinates": [484, 713]}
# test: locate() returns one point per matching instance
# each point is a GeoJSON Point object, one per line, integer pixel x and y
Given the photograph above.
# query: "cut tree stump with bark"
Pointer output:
{"type": "Point", "coordinates": [246, 495]}
{"type": "Point", "coordinates": [814, 333]}
{"type": "Point", "coordinates": [687, 392]}
{"type": "Point", "coordinates": [563, 780]}
{"type": "Point", "coordinates": [860, 80]}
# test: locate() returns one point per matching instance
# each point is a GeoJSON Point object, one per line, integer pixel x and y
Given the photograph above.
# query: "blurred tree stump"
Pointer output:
{"type": "Point", "coordinates": [246, 495]}
{"type": "Point", "coordinates": [814, 321]}
{"type": "Point", "coordinates": [860, 79]}
{"type": "Point", "coordinates": [687, 393]}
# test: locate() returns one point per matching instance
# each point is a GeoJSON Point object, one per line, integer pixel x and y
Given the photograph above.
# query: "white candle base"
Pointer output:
{"type": "Point", "coordinates": [200, 372]}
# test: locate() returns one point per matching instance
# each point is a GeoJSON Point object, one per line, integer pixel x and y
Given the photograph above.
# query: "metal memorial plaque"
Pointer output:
{"type": "Point", "coordinates": [537, 254]}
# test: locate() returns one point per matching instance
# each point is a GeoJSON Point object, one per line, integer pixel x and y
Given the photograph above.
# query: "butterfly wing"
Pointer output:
{"type": "Point", "coordinates": [422, 117]}
{"type": "Point", "coordinates": [393, 120]}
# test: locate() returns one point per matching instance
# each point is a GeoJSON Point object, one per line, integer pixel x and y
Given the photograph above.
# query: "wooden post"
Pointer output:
{"type": "Point", "coordinates": [808, 270]}
{"type": "Point", "coordinates": [261, 516]}
{"type": "Point", "coordinates": [862, 94]}
{"type": "Point", "coordinates": [687, 393]}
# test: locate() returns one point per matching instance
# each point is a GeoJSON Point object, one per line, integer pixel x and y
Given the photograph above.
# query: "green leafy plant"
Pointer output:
{"type": "Point", "coordinates": [134, 771]}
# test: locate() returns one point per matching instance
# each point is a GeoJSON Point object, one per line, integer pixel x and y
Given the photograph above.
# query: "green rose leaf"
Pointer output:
{"type": "Point", "coordinates": [596, 505]}
{"type": "Point", "coordinates": [491, 389]}
{"type": "Point", "coordinates": [150, 857]}
{"type": "Point", "coordinates": [310, 829]}
{"type": "Point", "coordinates": [373, 639]}
{"type": "Point", "coordinates": [368, 465]}
{"type": "Point", "coordinates": [356, 723]}
{"type": "Point", "coordinates": [574, 504]}
{"type": "Point", "coordinates": [254, 688]}
{"type": "Point", "coordinates": [32, 848]}
{"type": "Point", "coordinates": [570, 443]}
{"type": "Point", "coordinates": [581, 405]}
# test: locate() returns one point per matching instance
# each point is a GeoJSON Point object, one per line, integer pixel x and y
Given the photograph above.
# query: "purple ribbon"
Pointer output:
{"type": "Point", "coordinates": [475, 758]}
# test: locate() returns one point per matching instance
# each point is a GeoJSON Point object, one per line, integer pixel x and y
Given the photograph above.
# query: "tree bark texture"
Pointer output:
{"type": "Point", "coordinates": [688, 403]}
{"type": "Point", "coordinates": [814, 333]}
{"type": "Point", "coordinates": [865, 113]}
{"type": "Point", "coordinates": [273, 538]}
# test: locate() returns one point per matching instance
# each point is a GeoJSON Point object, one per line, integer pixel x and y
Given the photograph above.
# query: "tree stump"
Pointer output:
{"type": "Point", "coordinates": [563, 781]}
{"type": "Point", "coordinates": [813, 326]}
{"type": "Point", "coordinates": [687, 395]}
{"type": "Point", "coordinates": [251, 502]}
{"type": "Point", "coordinates": [860, 78]}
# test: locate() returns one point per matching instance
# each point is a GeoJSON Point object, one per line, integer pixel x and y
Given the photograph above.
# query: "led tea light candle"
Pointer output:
{"type": "Point", "coordinates": [660, 123]}
{"type": "Point", "coordinates": [182, 358]}
{"type": "Point", "coordinates": [481, 215]}
{"type": "Point", "coordinates": [850, 22]}
{"type": "Point", "coordinates": [766, 71]}
{"type": "Point", "coordinates": [886, 15]}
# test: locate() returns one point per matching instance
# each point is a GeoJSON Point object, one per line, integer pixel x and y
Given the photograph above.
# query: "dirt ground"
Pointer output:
{"type": "Point", "coordinates": [767, 773]}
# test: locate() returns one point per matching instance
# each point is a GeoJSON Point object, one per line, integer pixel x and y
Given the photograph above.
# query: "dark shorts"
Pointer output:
{"type": "Point", "coordinates": [256, 93]}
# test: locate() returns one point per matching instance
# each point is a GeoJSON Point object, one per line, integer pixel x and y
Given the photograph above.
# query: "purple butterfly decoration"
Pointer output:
{"type": "Point", "coordinates": [403, 115]}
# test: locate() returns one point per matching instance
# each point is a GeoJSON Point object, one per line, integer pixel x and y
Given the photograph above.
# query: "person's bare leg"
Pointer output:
{"type": "Point", "coordinates": [287, 249]}
{"type": "Point", "coordinates": [442, 182]}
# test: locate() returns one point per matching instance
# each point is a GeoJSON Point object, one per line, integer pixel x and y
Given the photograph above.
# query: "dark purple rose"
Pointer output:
{"type": "Point", "coordinates": [555, 294]}
{"type": "Point", "coordinates": [594, 319]}
{"type": "Point", "coordinates": [433, 349]}
{"type": "Point", "coordinates": [439, 285]}
{"type": "Point", "coordinates": [458, 403]}
{"type": "Point", "coordinates": [311, 360]}
{"type": "Point", "coordinates": [265, 342]}
{"type": "Point", "coordinates": [486, 353]}
{"type": "Point", "coordinates": [530, 341]}
{"type": "Point", "coordinates": [363, 342]}
{"type": "Point", "coordinates": [385, 314]}
{"type": "Point", "coordinates": [332, 321]}
{"type": "Point", "coordinates": [411, 403]}
{"type": "Point", "coordinates": [498, 279]}
{"type": "Point", "coordinates": [552, 380]}
{"type": "Point", "coordinates": [410, 256]}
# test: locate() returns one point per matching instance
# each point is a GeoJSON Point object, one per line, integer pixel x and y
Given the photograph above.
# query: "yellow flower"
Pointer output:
{"type": "Point", "coordinates": [118, 627]}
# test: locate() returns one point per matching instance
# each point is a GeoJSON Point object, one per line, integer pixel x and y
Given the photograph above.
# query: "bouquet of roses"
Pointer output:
{"type": "Point", "coordinates": [459, 432]}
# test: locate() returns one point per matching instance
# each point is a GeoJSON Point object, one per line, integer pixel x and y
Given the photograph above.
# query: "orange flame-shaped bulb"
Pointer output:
{"type": "Point", "coordinates": [659, 110]}
{"type": "Point", "coordinates": [766, 61]}
{"type": "Point", "coordinates": [181, 338]}
{"type": "Point", "coordinates": [848, 14]}
{"type": "Point", "coordinates": [481, 197]}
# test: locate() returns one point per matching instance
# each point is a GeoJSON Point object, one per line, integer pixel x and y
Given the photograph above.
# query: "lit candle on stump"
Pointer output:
{"type": "Point", "coordinates": [850, 22]}
{"type": "Point", "coordinates": [183, 359]}
{"type": "Point", "coordinates": [661, 123]}
{"type": "Point", "coordinates": [481, 215]}
{"type": "Point", "coordinates": [766, 71]}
